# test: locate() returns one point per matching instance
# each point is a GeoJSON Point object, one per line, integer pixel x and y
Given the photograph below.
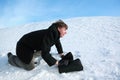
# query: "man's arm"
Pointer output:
{"type": "Point", "coordinates": [59, 48]}
{"type": "Point", "coordinates": [45, 52]}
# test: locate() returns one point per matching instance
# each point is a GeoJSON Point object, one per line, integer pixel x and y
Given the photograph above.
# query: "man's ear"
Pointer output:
{"type": "Point", "coordinates": [58, 29]}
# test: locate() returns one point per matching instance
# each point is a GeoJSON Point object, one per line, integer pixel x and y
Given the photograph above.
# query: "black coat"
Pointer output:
{"type": "Point", "coordinates": [38, 40]}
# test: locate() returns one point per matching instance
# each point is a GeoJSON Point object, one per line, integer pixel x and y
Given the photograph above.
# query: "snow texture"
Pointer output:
{"type": "Point", "coordinates": [94, 40]}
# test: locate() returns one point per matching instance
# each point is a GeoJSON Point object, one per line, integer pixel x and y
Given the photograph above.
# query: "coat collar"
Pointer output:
{"type": "Point", "coordinates": [54, 28]}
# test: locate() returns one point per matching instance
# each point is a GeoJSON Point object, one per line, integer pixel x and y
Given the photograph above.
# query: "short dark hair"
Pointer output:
{"type": "Point", "coordinates": [60, 24]}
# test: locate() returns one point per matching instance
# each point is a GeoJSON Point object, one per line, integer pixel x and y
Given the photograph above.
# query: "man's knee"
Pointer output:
{"type": "Point", "coordinates": [29, 67]}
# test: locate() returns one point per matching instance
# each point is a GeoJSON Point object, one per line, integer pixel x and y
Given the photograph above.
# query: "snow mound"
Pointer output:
{"type": "Point", "coordinates": [94, 40]}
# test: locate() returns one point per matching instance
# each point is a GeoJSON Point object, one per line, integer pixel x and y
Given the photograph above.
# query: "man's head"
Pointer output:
{"type": "Point", "coordinates": [62, 27]}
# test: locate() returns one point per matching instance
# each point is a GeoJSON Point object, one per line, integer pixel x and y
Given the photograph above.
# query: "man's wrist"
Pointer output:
{"type": "Point", "coordinates": [61, 54]}
{"type": "Point", "coordinates": [57, 63]}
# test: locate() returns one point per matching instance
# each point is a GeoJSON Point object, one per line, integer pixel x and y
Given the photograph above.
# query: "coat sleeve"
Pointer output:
{"type": "Point", "coordinates": [46, 49]}
{"type": "Point", "coordinates": [59, 47]}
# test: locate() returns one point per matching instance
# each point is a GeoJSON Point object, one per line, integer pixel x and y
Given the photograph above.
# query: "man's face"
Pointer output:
{"type": "Point", "coordinates": [62, 31]}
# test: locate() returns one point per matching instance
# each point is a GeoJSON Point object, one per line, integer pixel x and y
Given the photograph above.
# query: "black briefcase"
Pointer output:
{"type": "Point", "coordinates": [74, 65]}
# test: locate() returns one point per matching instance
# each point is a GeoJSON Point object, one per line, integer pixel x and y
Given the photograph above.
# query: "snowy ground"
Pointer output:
{"type": "Point", "coordinates": [94, 40]}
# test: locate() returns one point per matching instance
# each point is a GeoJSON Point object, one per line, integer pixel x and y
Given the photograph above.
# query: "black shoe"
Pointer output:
{"type": "Point", "coordinates": [9, 54]}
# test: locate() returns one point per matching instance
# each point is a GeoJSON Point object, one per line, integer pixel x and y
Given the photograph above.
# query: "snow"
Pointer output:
{"type": "Point", "coordinates": [94, 40]}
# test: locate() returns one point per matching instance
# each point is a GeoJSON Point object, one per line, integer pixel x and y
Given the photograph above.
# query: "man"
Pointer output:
{"type": "Point", "coordinates": [39, 43]}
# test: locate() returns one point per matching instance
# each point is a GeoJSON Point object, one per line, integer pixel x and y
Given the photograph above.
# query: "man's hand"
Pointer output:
{"type": "Point", "coordinates": [62, 55]}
